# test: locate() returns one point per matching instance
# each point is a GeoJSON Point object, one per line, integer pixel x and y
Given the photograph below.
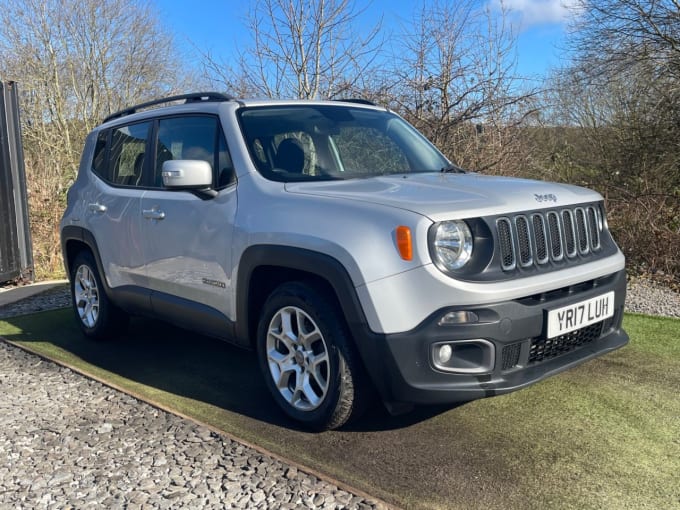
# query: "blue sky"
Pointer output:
{"type": "Point", "coordinates": [219, 27]}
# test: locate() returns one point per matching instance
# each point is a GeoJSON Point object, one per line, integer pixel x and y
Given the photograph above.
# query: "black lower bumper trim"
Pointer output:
{"type": "Point", "coordinates": [403, 371]}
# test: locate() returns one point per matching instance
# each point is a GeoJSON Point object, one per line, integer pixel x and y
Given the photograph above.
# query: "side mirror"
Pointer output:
{"type": "Point", "coordinates": [187, 174]}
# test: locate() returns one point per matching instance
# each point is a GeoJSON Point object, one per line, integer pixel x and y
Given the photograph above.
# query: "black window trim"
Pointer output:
{"type": "Point", "coordinates": [150, 150]}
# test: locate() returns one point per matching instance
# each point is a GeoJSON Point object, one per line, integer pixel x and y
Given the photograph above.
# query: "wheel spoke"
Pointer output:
{"type": "Point", "coordinates": [308, 339]}
{"type": "Point", "coordinates": [286, 371]}
{"type": "Point", "coordinates": [81, 299]}
{"type": "Point", "coordinates": [316, 364]}
{"type": "Point", "coordinates": [91, 316]}
{"type": "Point", "coordinates": [310, 393]}
{"type": "Point", "coordinates": [308, 333]}
{"type": "Point", "coordinates": [316, 360]}
{"type": "Point", "coordinates": [287, 329]}
{"type": "Point", "coordinates": [283, 339]}
{"type": "Point", "coordinates": [279, 357]}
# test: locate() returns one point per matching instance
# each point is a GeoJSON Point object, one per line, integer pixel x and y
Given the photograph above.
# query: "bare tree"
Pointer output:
{"type": "Point", "coordinates": [620, 103]}
{"type": "Point", "coordinates": [75, 61]}
{"type": "Point", "coordinates": [301, 48]}
{"type": "Point", "coordinates": [609, 35]}
{"type": "Point", "coordinates": [456, 81]}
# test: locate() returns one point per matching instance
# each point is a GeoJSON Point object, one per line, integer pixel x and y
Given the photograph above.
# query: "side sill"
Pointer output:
{"type": "Point", "coordinates": [175, 310]}
{"type": "Point", "coordinates": [194, 316]}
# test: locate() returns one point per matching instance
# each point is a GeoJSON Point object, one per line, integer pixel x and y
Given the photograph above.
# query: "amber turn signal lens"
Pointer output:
{"type": "Point", "coordinates": [404, 242]}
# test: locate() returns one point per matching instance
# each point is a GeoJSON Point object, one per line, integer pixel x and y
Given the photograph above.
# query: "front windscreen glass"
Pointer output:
{"type": "Point", "coordinates": [324, 142]}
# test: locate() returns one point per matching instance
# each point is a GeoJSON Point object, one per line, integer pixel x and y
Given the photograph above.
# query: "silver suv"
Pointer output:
{"type": "Point", "coordinates": [345, 249]}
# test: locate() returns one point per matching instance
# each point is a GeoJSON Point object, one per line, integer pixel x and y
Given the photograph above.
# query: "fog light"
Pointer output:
{"type": "Point", "coordinates": [444, 353]}
{"type": "Point", "coordinates": [473, 356]}
{"type": "Point", "coordinates": [459, 317]}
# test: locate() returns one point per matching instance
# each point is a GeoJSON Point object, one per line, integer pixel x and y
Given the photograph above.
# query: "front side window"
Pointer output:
{"type": "Point", "coordinates": [194, 138]}
{"type": "Point", "coordinates": [325, 142]}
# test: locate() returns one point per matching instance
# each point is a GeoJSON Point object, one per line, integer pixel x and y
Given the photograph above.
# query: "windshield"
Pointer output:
{"type": "Point", "coordinates": [322, 142]}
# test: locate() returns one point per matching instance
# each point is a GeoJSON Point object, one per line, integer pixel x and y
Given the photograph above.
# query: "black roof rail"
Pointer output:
{"type": "Point", "coordinates": [193, 97]}
{"type": "Point", "coordinates": [357, 100]}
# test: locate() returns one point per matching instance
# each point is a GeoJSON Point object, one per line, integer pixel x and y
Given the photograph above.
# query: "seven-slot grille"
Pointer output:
{"type": "Point", "coordinates": [539, 237]}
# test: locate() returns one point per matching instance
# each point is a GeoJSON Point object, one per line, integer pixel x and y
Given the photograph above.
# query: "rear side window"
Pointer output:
{"type": "Point", "coordinates": [99, 165]}
{"type": "Point", "coordinates": [127, 154]}
{"type": "Point", "coordinates": [195, 138]}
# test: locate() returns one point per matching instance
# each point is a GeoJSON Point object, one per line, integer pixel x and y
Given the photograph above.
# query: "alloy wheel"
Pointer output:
{"type": "Point", "coordinates": [297, 356]}
{"type": "Point", "coordinates": [86, 296]}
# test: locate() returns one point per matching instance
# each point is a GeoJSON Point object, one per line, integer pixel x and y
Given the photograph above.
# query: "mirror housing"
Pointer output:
{"type": "Point", "coordinates": [187, 174]}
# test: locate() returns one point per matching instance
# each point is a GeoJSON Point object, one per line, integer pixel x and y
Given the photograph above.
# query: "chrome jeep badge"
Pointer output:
{"type": "Point", "coordinates": [548, 197]}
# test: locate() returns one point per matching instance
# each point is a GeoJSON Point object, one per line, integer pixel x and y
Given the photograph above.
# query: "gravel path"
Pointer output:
{"type": "Point", "coordinates": [68, 441]}
{"type": "Point", "coordinates": [651, 298]}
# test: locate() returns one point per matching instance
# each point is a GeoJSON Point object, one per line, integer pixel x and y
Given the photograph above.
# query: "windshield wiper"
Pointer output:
{"type": "Point", "coordinates": [452, 169]}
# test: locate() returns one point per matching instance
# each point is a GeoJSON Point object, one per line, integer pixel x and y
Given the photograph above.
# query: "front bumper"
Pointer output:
{"type": "Point", "coordinates": [402, 365]}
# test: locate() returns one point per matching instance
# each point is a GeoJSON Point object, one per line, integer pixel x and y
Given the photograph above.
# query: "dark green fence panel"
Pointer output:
{"type": "Point", "coordinates": [16, 255]}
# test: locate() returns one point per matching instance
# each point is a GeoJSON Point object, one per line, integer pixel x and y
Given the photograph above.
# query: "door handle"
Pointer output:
{"type": "Point", "coordinates": [97, 208]}
{"type": "Point", "coordinates": [153, 214]}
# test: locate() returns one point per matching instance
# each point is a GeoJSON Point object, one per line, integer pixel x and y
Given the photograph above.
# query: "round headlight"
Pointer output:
{"type": "Point", "coordinates": [451, 244]}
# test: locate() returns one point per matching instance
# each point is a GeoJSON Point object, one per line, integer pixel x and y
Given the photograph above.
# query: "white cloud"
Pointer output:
{"type": "Point", "coordinates": [539, 12]}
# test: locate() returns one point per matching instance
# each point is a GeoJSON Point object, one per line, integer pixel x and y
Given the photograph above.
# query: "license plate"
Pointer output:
{"type": "Point", "coordinates": [579, 315]}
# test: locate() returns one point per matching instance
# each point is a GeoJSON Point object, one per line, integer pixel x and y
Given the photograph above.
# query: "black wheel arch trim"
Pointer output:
{"type": "Point", "coordinates": [318, 264]}
{"type": "Point", "coordinates": [82, 235]}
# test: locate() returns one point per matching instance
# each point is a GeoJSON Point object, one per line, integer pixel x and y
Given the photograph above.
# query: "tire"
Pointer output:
{"type": "Point", "coordinates": [307, 359]}
{"type": "Point", "coordinates": [96, 315]}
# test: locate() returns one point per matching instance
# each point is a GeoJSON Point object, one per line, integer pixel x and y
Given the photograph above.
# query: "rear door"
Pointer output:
{"type": "Point", "coordinates": [112, 206]}
{"type": "Point", "coordinates": [187, 238]}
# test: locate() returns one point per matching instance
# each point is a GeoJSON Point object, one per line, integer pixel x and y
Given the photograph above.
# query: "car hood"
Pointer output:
{"type": "Point", "coordinates": [441, 196]}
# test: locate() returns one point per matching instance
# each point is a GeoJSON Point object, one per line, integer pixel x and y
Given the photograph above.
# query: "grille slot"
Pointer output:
{"type": "Point", "coordinates": [593, 227]}
{"type": "Point", "coordinates": [510, 356]}
{"type": "Point", "coordinates": [538, 238]}
{"type": "Point", "coordinates": [506, 244]}
{"type": "Point", "coordinates": [581, 230]}
{"type": "Point", "coordinates": [540, 235]}
{"type": "Point", "coordinates": [524, 240]}
{"type": "Point", "coordinates": [569, 234]}
{"type": "Point", "coordinates": [543, 349]}
{"type": "Point", "coordinates": [555, 236]}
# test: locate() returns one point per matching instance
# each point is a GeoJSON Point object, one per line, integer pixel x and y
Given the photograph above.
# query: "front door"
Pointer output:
{"type": "Point", "coordinates": [187, 238]}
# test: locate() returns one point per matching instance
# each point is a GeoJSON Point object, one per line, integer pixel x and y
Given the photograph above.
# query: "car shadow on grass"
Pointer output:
{"type": "Point", "coordinates": [182, 363]}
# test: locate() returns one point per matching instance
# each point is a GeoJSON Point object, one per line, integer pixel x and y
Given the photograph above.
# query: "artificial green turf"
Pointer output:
{"type": "Point", "coordinates": [603, 435]}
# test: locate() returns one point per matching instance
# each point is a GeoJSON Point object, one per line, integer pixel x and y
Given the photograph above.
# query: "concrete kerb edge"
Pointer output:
{"type": "Point", "coordinates": [14, 294]}
{"type": "Point", "coordinates": [300, 467]}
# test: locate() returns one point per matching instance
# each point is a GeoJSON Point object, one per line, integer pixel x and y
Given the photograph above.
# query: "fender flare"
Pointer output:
{"type": "Point", "coordinates": [315, 263]}
{"type": "Point", "coordinates": [84, 236]}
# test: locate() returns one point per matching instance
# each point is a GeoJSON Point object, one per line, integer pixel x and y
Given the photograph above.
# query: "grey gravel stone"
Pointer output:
{"type": "Point", "coordinates": [648, 297]}
{"type": "Point", "coordinates": [63, 445]}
